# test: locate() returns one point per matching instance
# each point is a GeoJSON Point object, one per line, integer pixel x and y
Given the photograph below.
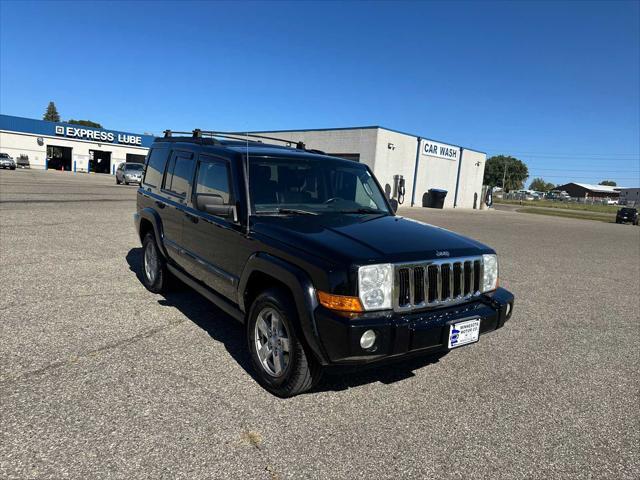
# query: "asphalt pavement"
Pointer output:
{"type": "Point", "coordinates": [100, 378]}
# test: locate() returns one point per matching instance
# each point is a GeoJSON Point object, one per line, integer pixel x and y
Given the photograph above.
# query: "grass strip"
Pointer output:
{"type": "Point", "coordinates": [569, 214]}
{"type": "Point", "coordinates": [562, 205]}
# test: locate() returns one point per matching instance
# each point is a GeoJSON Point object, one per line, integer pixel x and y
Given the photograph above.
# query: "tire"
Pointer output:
{"type": "Point", "coordinates": [155, 275]}
{"type": "Point", "coordinates": [294, 370]}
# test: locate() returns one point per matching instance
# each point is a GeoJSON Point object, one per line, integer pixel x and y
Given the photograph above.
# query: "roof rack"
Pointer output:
{"type": "Point", "coordinates": [197, 133]}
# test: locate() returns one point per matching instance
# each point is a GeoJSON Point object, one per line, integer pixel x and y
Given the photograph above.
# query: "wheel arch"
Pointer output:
{"type": "Point", "coordinates": [264, 271]}
{"type": "Point", "coordinates": [150, 222]}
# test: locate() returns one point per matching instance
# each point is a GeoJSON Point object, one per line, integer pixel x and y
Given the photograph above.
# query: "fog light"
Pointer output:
{"type": "Point", "coordinates": [367, 339]}
{"type": "Point", "coordinates": [508, 311]}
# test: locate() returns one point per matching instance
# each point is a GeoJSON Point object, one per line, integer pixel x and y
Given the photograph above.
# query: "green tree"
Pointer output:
{"type": "Point", "coordinates": [539, 185]}
{"type": "Point", "coordinates": [505, 171]}
{"type": "Point", "coordinates": [51, 114]}
{"type": "Point", "coordinates": [609, 183]}
{"type": "Point", "coordinates": [85, 123]}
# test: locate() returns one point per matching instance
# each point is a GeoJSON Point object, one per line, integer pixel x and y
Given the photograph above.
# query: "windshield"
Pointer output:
{"type": "Point", "coordinates": [134, 166]}
{"type": "Point", "coordinates": [312, 186]}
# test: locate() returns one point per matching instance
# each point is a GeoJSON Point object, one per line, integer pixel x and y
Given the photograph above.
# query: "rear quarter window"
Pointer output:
{"type": "Point", "coordinates": [155, 167]}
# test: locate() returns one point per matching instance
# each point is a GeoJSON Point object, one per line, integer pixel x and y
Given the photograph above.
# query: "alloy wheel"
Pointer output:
{"type": "Point", "coordinates": [272, 342]}
{"type": "Point", "coordinates": [151, 262]}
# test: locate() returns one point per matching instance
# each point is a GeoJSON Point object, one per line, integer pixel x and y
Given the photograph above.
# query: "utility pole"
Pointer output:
{"type": "Point", "coordinates": [504, 175]}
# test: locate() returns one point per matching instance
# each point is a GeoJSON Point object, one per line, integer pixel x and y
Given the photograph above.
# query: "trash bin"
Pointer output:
{"type": "Point", "coordinates": [434, 198]}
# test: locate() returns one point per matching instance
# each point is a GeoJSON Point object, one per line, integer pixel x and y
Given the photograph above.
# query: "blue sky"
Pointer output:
{"type": "Point", "coordinates": [555, 84]}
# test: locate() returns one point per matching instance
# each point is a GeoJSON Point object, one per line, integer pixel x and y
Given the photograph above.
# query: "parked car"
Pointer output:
{"type": "Point", "coordinates": [306, 250]}
{"type": "Point", "coordinates": [23, 162]}
{"type": "Point", "coordinates": [627, 215]}
{"type": "Point", "coordinates": [129, 172]}
{"type": "Point", "coordinates": [7, 162]}
{"type": "Point", "coordinates": [610, 201]}
{"type": "Point", "coordinates": [558, 195]}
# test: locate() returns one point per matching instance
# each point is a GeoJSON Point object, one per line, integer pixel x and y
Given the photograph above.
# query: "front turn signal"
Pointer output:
{"type": "Point", "coordinates": [340, 302]}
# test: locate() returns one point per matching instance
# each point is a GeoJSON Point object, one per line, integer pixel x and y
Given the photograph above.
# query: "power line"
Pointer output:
{"type": "Point", "coordinates": [583, 170]}
{"type": "Point", "coordinates": [557, 154]}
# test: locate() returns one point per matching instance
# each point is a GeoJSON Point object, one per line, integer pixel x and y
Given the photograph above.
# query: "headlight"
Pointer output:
{"type": "Point", "coordinates": [375, 284]}
{"type": "Point", "coordinates": [490, 279]}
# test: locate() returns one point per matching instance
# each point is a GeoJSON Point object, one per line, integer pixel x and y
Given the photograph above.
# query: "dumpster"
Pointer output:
{"type": "Point", "coordinates": [434, 198]}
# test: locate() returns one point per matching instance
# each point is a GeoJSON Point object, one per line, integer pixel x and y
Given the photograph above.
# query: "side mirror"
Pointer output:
{"type": "Point", "coordinates": [214, 204]}
{"type": "Point", "coordinates": [394, 205]}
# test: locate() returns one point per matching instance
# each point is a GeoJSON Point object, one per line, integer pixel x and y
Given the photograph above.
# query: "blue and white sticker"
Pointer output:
{"type": "Point", "coordinates": [464, 333]}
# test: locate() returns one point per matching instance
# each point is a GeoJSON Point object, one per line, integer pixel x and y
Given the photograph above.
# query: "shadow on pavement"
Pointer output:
{"type": "Point", "coordinates": [230, 333]}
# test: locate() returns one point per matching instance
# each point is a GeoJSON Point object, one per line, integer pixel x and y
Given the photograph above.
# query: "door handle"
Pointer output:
{"type": "Point", "coordinates": [160, 204]}
{"type": "Point", "coordinates": [193, 218]}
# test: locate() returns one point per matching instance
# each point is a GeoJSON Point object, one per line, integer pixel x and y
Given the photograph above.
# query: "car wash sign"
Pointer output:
{"type": "Point", "coordinates": [98, 135]}
{"type": "Point", "coordinates": [440, 150]}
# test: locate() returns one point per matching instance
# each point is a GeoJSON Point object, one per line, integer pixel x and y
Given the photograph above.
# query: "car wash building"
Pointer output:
{"type": "Point", "coordinates": [407, 166]}
{"type": "Point", "coordinates": [63, 146]}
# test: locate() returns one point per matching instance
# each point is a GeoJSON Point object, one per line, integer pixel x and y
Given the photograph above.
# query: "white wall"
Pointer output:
{"type": "Point", "coordinates": [398, 160]}
{"type": "Point", "coordinates": [436, 172]}
{"type": "Point", "coordinates": [362, 141]}
{"type": "Point", "coordinates": [471, 176]}
{"type": "Point", "coordinates": [16, 144]}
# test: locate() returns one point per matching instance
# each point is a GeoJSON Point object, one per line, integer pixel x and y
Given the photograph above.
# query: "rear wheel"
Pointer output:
{"type": "Point", "coordinates": [155, 275]}
{"type": "Point", "coordinates": [279, 357]}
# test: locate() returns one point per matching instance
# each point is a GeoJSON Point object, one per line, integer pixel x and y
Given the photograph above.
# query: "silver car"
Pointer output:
{"type": "Point", "coordinates": [7, 162]}
{"type": "Point", "coordinates": [129, 173]}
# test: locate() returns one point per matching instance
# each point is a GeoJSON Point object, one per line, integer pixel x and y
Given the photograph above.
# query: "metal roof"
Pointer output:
{"type": "Point", "coordinates": [597, 188]}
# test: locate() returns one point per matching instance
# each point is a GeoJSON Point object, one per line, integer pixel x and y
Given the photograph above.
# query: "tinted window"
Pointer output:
{"type": "Point", "coordinates": [318, 185]}
{"type": "Point", "coordinates": [133, 166]}
{"type": "Point", "coordinates": [155, 167]}
{"type": "Point", "coordinates": [178, 174]}
{"type": "Point", "coordinates": [213, 178]}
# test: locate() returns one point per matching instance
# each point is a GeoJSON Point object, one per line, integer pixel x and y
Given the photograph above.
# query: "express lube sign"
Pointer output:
{"type": "Point", "coordinates": [440, 150]}
{"type": "Point", "coordinates": [98, 135]}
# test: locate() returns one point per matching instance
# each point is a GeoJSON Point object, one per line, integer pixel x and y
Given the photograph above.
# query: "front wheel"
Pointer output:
{"type": "Point", "coordinates": [155, 274]}
{"type": "Point", "coordinates": [279, 357]}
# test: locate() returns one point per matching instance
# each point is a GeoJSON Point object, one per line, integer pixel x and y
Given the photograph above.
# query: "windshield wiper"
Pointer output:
{"type": "Point", "coordinates": [287, 211]}
{"type": "Point", "coordinates": [363, 210]}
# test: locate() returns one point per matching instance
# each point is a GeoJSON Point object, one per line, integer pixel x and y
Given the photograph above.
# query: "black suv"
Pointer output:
{"type": "Point", "coordinates": [307, 251]}
{"type": "Point", "coordinates": [627, 214]}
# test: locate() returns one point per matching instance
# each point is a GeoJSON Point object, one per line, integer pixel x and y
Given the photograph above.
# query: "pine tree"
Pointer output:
{"type": "Point", "coordinates": [51, 114]}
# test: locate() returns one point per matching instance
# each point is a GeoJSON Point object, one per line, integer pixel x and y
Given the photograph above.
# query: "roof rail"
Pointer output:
{"type": "Point", "coordinates": [213, 133]}
{"type": "Point", "coordinates": [242, 136]}
{"type": "Point", "coordinates": [197, 133]}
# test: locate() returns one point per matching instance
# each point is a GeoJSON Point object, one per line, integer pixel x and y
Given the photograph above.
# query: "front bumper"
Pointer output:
{"type": "Point", "coordinates": [403, 334]}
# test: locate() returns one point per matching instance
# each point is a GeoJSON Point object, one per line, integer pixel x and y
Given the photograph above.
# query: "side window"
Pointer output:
{"type": "Point", "coordinates": [155, 167]}
{"type": "Point", "coordinates": [213, 179]}
{"type": "Point", "coordinates": [178, 175]}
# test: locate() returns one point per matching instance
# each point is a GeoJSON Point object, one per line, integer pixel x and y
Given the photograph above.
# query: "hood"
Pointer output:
{"type": "Point", "coordinates": [366, 238]}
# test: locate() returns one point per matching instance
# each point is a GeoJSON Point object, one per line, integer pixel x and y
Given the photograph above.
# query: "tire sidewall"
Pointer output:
{"type": "Point", "coordinates": [158, 284]}
{"type": "Point", "coordinates": [277, 301]}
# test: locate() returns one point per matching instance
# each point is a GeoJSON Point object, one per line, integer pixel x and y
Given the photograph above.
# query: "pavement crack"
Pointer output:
{"type": "Point", "coordinates": [92, 353]}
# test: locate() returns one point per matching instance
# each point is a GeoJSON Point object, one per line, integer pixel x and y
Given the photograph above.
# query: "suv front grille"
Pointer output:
{"type": "Point", "coordinates": [436, 282]}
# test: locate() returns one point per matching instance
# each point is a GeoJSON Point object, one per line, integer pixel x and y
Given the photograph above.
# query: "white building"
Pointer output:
{"type": "Point", "coordinates": [630, 196]}
{"type": "Point", "coordinates": [421, 162]}
{"type": "Point", "coordinates": [59, 145]}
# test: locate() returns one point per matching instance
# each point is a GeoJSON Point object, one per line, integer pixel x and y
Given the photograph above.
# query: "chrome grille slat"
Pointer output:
{"type": "Point", "coordinates": [435, 283]}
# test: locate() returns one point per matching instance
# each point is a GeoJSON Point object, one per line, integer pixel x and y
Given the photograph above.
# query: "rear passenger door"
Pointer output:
{"type": "Point", "coordinates": [211, 240]}
{"type": "Point", "coordinates": [176, 186]}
